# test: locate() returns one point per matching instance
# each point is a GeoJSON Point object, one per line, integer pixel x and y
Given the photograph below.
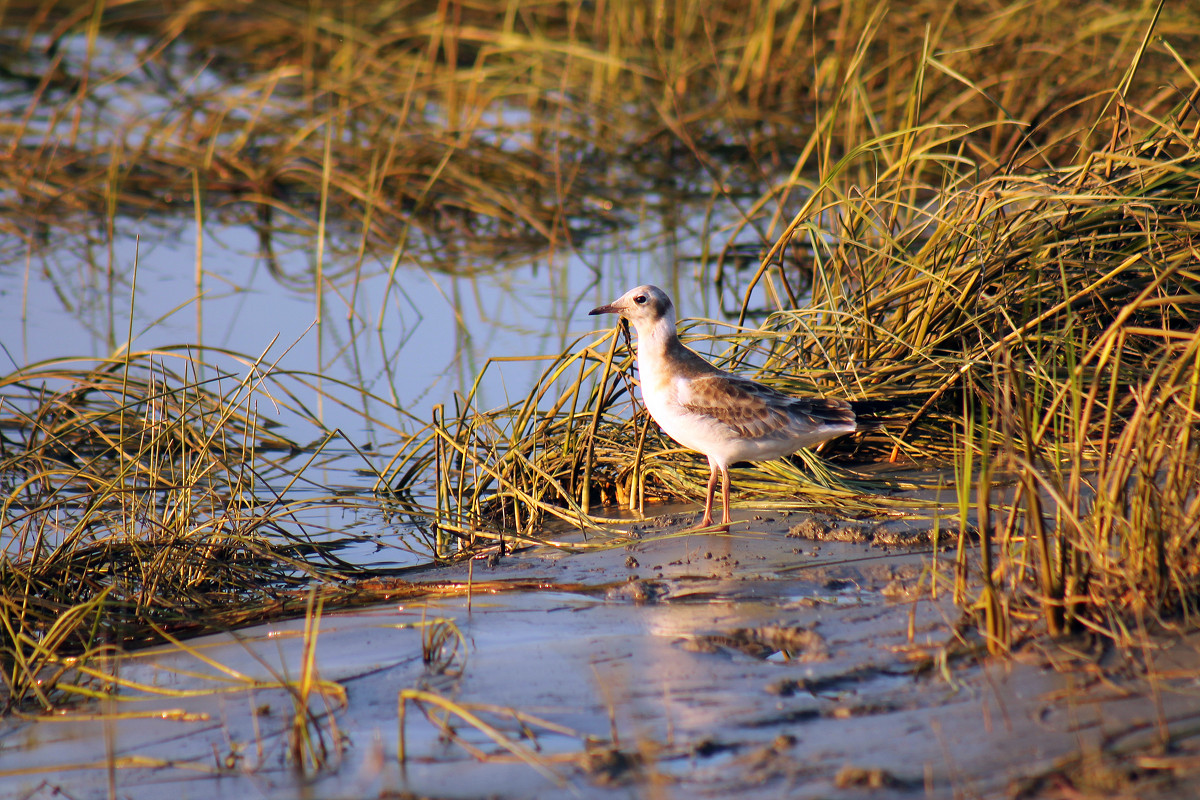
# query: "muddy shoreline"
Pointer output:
{"type": "Point", "coordinates": [750, 664]}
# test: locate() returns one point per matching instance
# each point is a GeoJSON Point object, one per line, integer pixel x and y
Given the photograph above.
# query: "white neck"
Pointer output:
{"type": "Point", "coordinates": [655, 339]}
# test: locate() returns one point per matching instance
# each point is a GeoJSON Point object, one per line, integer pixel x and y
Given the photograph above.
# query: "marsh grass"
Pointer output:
{"type": "Point", "coordinates": [506, 728]}
{"type": "Point", "coordinates": [1038, 314]}
{"type": "Point", "coordinates": [452, 133]}
{"type": "Point", "coordinates": [1056, 311]}
{"type": "Point", "coordinates": [985, 211]}
{"type": "Point", "coordinates": [141, 501]}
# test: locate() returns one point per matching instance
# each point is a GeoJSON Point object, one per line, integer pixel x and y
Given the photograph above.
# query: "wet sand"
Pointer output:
{"type": "Point", "coordinates": [750, 664]}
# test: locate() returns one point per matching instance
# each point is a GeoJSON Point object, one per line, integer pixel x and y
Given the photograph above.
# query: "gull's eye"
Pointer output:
{"type": "Point", "coordinates": [640, 299]}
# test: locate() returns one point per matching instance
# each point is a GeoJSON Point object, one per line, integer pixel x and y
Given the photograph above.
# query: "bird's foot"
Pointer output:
{"type": "Point", "coordinates": [707, 524]}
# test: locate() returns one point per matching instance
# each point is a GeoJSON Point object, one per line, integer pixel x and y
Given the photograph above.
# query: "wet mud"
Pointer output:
{"type": "Point", "coordinates": [760, 663]}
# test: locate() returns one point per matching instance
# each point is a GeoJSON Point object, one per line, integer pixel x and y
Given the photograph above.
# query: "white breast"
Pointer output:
{"type": "Point", "coordinates": [698, 432]}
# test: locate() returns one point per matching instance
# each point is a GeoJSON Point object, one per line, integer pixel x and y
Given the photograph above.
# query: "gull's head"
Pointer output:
{"type": "Point", "coordinates": [647, 307]}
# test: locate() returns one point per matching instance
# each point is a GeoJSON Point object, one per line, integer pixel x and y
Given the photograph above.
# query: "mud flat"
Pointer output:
{"type": "Point", "coordinates": [750, 664]}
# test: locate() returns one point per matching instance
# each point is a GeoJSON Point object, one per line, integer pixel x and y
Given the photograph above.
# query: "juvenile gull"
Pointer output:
{"type": "Point", "coordinates": [723, 416]}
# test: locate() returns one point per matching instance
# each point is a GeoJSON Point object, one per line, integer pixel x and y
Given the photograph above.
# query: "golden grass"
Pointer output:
{"type": "Point", "coordinates": [1054, 301]}
{"type": "Point", "coordinates": [139, 501]}
{"type": "Point", "coordinates": [447, 132]}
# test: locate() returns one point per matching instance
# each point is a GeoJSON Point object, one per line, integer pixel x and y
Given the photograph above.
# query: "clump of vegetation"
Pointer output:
{"type": "Point", "coordinates": [450, 133]}
{"type": "Point", "coordinates": [138, 502]}
{"type": "Point", "coordinates": [1042, 320]}
{"type": "Point", "coordinates": [1057, 311]}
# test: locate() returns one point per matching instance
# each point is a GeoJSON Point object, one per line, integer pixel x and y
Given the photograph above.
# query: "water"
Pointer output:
{"type": "Point", "coordinates": [415, 340]}
{"type": "Point", "coordinates": [616, 701]}
{"type": "Point", "coordinates": [381, 350]}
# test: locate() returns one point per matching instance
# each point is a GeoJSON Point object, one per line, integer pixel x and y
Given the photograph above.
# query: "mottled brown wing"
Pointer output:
{"type": "Point", "coordinates": [754, 410]}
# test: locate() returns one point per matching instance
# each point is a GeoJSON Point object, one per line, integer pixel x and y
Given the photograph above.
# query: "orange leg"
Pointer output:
{"type": "Point", "coordinates": [708, 500]}
{"type": "Point", "coordinates": [724, 495]}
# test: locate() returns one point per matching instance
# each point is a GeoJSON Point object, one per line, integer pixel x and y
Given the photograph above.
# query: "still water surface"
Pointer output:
{"type": "Point", "coordinates": [416, 337]}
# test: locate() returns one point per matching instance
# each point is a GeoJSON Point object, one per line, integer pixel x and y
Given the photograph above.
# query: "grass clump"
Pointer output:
{"type": "Point", "coordinates": [1040, 315]}
{"type": "Point", "coordinates": [139, 501]}
{"type": "Point", "coordinates": [1059, 309]}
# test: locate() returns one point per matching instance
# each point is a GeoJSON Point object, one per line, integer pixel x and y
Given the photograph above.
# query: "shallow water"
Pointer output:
{"type": "Point", "coordinates": [674, 666]}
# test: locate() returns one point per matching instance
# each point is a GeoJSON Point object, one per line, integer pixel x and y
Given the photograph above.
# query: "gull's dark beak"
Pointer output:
{"type": "Point", "coordinates": [608, 309]}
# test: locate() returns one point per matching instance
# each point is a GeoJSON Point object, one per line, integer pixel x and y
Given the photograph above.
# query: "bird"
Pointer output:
{"type": "Point", "coordinates": [726, 417]}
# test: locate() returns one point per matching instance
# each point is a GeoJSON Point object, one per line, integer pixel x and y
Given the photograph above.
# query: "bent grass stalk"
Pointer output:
{"type": "Point", "coordinates": [470, 713]}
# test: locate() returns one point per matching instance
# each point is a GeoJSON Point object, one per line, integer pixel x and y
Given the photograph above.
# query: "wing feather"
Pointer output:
{"type": "Point", "coordinates": [753, 410]}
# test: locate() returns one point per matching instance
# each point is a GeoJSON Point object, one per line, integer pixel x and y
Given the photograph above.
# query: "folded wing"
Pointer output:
{"type": "Point", "coordinates": [756, 411]}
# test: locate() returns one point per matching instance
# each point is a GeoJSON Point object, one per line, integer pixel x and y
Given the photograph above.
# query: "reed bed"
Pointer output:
{"type": "Point", "coordinates": [1055, 314]}
{"type": "Point", "coordinates": [1042, 324]}
{"type": "Point", "coordinates": [141, 502]}
{"type": "Point", "coordinates": [452, 133]}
